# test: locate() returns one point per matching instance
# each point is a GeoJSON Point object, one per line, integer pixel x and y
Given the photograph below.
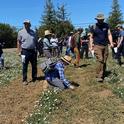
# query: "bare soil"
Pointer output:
{"type": "Point", "coordinates": [17, 101]}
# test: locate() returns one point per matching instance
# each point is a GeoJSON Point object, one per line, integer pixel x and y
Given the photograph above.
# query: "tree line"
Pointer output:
{"type": "Point", "coordinates": [57, 20]}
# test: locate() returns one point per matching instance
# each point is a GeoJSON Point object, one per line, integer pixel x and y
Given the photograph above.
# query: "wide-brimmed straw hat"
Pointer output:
{"type": "Point", "coordinates": [100, 16]}
{"type": "Point", "coordinates": [67, 59]}
{"type": "Point", "coordinates": [47, 32]}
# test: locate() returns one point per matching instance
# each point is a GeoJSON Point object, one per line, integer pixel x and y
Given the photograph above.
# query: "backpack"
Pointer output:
{"type": "Point", "coordinates": [48, 65]}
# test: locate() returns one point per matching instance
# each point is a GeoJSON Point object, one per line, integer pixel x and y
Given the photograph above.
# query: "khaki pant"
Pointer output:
{"type": "Point", "coordinates": [101, 53]}
{"type": "Point", "coordinates": [77, 55]}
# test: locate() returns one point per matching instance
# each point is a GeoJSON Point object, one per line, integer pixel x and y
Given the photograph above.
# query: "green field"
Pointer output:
{"type": "Point", "coordinates": [90, 103]}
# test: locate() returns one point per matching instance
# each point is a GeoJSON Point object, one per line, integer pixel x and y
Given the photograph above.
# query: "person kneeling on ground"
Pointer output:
{"type": "Point", "coordinates": [56, 77]}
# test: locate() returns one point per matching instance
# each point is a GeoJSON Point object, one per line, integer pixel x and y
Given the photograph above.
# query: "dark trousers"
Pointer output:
{"type": "Point", "coordinates": [30, 56]}
{"type": "Point", "coordinates": [84, 49]}
{"type": "Point", "coordinates": [120, 52]}
{"type": "Point", "coordinates": [113, 53]}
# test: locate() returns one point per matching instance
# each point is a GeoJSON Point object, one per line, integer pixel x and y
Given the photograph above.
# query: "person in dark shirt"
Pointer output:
{"type": "Point", "coordinates": [120, 46]}
{"type": "Point", "coordinates": [100, 35]}
{"type": "Point", "coordinates": [115, 35]}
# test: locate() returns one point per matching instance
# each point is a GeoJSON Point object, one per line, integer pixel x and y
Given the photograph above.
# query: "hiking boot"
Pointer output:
{"type": "Point", "coordinates": [99, 79]}
{"type": "Point", "coordinates": [25, 83]}
{"type": "Point", "coordinates": [71, 87]}
{"type": "Point", "coordinates": [34, 80]}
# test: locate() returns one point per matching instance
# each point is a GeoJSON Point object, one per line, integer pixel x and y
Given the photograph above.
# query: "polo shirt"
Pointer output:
{"type": "Point", "coordinates": [27, 39]}
{"type": "Point", "coordinates": [100, 34]}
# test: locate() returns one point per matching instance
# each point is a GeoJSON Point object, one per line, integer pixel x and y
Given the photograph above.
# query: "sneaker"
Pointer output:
{"type": "Point", "coordinates": [99, 80]}
{"type": "Point", "coordinates": [25, 83]}
{"type": "Point", "coordinates": [71, 87]}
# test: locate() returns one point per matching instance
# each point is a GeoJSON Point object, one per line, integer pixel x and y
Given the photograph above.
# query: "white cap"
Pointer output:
{"type": "Point", "coordinates": [26, 21]}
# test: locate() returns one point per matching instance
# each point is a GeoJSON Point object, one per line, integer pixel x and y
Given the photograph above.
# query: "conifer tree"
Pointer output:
{"type": "Point", "coordinates": [115, 16]}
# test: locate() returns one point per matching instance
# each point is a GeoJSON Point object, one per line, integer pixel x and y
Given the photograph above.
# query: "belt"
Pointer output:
{"type": "Point", "coordinates": [31, 50]}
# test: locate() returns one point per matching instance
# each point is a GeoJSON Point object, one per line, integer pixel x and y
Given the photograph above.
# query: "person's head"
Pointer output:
{"type": "Point", "coordinates": [53, 35]}
{"type": "Point", "coordinates": [80, 30]}
{"type": "Point", "coordinates": [71, 33]}
{"type": "Point", "coordinates": [66, 60]}
{"type": "Point", "coordinates": [47, 33]}
{"type": "Point", "coordinates": [100, 18]}
{"type": "Point", "coordinates": [119, 27]}
{"type": "Point", "coordinates": [27, 24]}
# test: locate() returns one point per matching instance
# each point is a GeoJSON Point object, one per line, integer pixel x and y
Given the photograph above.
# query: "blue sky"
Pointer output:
{"type": "Point", "coordinates": [82, 12]}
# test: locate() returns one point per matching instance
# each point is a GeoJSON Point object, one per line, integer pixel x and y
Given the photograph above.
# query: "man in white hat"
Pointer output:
{"type": "Point", "coordinates": [26, 46]}
{"type": "Point", "coordinates": [56, 77]}
{"type": "Point", "coordinates": [47, 46]}
{"type": "Point", "coordinates": [100, 35]}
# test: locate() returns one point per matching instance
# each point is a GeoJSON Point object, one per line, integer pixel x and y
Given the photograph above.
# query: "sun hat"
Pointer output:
{"type": "Point", "coordinates": [118, 25]}
{"type": "Point", "coordinates": [66, 59]}
{"type": "Point", "coordinates": [26, 21]}
{"type": "Point", "coordinates": [100, 16]}
{"type": "Point", "coordinates": [47, 32]}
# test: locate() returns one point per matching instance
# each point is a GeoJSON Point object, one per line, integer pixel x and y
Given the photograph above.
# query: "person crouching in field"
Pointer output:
{"type": "Point", "coordinates": [56, 77]}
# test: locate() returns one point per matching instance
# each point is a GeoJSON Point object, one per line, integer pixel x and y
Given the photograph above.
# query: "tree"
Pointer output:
{"type": "Point", "coordinates": [49, 17]}
{"type": "Point", "coordinates": [56, 21]}
{"type": "Point", "coordinates": [61, 13]}
{"type": "Point", "coordinates": [8, 35]}
{"type": "Point", "coordinates": [64, 25]}
{"type": "Point", "coordinates": [115, 16]}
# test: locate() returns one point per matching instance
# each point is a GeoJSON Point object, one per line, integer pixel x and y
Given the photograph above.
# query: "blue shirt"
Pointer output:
{"type": "Point", "coordinates": [58, 72]}
{"type": "Point", "coordinates": [46, 44]}
{"type": "Point", "coordinates": [121, 34]}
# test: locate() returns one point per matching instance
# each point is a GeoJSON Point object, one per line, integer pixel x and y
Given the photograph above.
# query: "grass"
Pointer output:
{"type": "Point", "coordinates": [90, 103]}
{"type": "Point", "coordinates": [12, 68]}
{"type": "Point", "coordinates": [47, 103]}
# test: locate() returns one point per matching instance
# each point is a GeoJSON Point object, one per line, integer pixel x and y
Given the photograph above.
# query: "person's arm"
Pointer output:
{"type": "Point", "coordinates": [91, 42]}
{"type": "Point", "coordinates": [62, 75]}
{"type": "Point", "coordinates": [18, 47]}
{"type": "Point", "coordinates": [19, 44]}
{"type": "Point", "coordinates": [120, 39]}
{"type": "Point", "coordinates": [110, 38]}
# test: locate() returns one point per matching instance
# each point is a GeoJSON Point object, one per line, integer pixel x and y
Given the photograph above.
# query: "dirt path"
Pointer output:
{"type": "Point", "coordinates": [17, 100]}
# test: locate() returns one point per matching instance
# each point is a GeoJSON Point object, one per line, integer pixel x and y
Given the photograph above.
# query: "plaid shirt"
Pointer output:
{"type": "Point", "coordinates": [58, 73]}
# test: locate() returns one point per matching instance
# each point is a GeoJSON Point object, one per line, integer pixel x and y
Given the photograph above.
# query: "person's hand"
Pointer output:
{"type": "Point", "coordinates": [90, 48]}
{"type": "Point", "coordinates": [19, 53]}
{"type": "Point", "coordinates": [111, 45]}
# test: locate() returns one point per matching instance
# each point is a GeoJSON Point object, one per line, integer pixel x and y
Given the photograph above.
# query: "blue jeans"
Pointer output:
{"type": "Point", "coordinates": [30, 56]}
{"type": "Point", "coordinates": [68, 51]}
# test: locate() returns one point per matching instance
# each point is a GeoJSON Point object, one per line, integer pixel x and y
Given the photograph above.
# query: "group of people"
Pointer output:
{"type": "Point", "coordinates": [97, 40]}
{"type": "Point", "coordinates": [27, 49]}
{"type": "Point", "coordinates": [50, 45]}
